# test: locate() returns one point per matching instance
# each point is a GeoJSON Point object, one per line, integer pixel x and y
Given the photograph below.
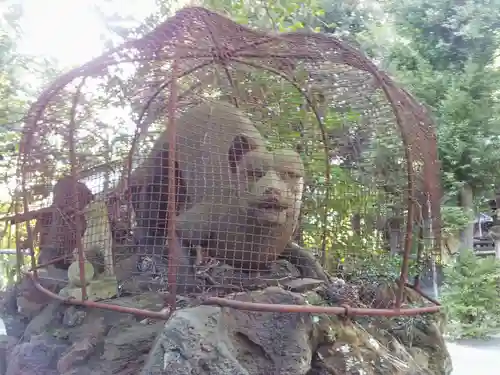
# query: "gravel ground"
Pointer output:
{"type": "Point", "coordinates": [474, 357]}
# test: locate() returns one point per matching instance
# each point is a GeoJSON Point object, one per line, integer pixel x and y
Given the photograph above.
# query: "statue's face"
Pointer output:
{"type": "Point", "coordinates": [271, 184]}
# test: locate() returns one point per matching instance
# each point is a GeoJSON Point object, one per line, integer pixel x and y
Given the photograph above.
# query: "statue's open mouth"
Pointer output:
{"type": "Point", "coordinates": [271, 204]}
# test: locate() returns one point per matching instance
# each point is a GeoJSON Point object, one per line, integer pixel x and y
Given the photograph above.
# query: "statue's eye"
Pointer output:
{"type": "Point", "coordinates": [290, 175]}
{"type": "Point", "coordinates": [255, 173]}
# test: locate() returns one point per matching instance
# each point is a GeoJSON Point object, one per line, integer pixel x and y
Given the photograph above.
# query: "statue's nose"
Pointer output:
{"type": "Point", "coordinates": [273, 192]}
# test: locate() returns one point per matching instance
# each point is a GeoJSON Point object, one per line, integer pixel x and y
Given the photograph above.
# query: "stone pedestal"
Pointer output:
{"type": "Point", "coordinates": [74, 273]}
{"type": "Point", "coordinates": [99, 289]}
{"type": "Point", "coordinates": [103, 287]}
{"type": "Point", "coordinates": [72, 291]}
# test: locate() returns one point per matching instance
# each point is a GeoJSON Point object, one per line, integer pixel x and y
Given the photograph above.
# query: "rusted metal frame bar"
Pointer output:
{"type": "Point", "coordinates": [386, 88]}
{"type": "Point", "coordinates": [417, 289]}
{"type": "Point", "coordinates": [410, 183]}
{"type": "Point", "coordinates": [174, 251]}
{"type": "Point", "coordinates": [34, 214]}
{"type": "Point", "coordinates": [324, 138]}
{"type": "Point", "coordinates": [97, 305]}
{"type": "Point", "coordinates": [55, 260]}
{"type": "Point", "coordinates": [72, 155]}
{"type": "Point", "coordinates": [344, 310]}
{"type": "Point", "coordinates": [22, 162]}
{"type": "Point", "coordinates": [223, 56]}
{"type": "Point", "coordinates": [128, 163]}
{"type": "Point", "coordinates": [35, 111]}
{"type": "Point", "coordinates": [420, 248]}
{"type": "Point", "coordinates": [240, 305]}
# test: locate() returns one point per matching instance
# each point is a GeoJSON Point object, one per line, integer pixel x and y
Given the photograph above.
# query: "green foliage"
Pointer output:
{"type": "Point", "coordinates": [285, 121]}
{"type": "Point", "coordinates": [17, 74]}
{"type": "Point", "coordinates": [454, 219]}
{"type": "Point", "coordinates": [445, 53]}
{"type": "Point", "coordinates": [376, 265]}
{"type": "Point", "coordinates": [471, 296]}
{"type": "Point", "coordinates": [448, 33]}
{"type": "Point", "coordinates": [276, 15]}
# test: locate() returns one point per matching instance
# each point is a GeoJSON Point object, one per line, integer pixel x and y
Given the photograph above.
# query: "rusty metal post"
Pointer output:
{"type": "Point", "coordinates": [174, 251]}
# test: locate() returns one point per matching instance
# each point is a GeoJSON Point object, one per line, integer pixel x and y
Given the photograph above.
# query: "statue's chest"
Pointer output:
{"type": "Point", "coordinates": [248, 236]}
{"type": "Point", "coordinates": [57, 229]}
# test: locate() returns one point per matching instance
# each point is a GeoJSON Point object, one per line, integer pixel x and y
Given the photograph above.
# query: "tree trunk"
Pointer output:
{"type": "Point", "coordinates": [467, 235]}
{"type": "Point", "coordinates": [356, 224]}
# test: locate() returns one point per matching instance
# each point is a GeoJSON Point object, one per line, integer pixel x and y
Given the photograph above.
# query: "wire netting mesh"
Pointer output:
{"type": "Point", "coordinates": [216, 158]}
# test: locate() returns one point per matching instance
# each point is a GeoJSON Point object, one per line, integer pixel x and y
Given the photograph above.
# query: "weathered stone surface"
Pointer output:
{"type": "Point", "coordinates": [39, 356]}
{"type": "Point", "coordinates": [50, 316]}
{"type": "Point", "coordinates": [211, 340]}
{"type": "Point", "coordinates": [74, 273]}
{"type": "Point", "coordinates": [73, 317]}
{"type": "Point", "coordinates": [83, 348]}
{"type": "Point", "coordinates": [7, 343]}
{"type": "Point", "coordinates": [73, 340]}
{"type": "Point", "coordinates": [14, 325]}
{"type": "Point", "coordinates": [129, 348]}
{"type": "Point", "coordinates": [28, 301]}
{"type": "Point", "coordinates": [302, 285]}
{"type": "Point", "coordinates": [80, 341]}
{"type": "Point", "coordinates": [103, 288]}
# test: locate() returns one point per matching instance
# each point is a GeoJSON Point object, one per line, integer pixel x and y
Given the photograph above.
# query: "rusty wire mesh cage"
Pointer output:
{"type": "Point", "coordinates": [207, 158]}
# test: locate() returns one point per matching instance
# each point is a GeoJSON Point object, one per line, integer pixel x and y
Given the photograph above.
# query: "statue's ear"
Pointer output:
{"type": "Point", "coordinates": [239, 147]}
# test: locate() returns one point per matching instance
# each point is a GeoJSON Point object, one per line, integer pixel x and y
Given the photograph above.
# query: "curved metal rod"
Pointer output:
{"type": "Point", "coordinates": [322, 129]}
{"type": "Point", "coordinates": [240, 305]}
{"type": "Point", "coordinates": [386, 86]}
{"type": "Point", "coordinates": [174, 251]}
{"type": "Point", "coordinates": [72, 156]}
{"type": "Point", "coordinates": [98, 305]}
{"type": "Point", "coordinates": [52, 261]}
{"type": "Point", "coordinates": [417, 289]}
{"type": "Point", "coordinates": [343, 310]}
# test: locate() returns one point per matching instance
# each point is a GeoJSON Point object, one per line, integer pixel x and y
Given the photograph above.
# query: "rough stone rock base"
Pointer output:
{"type": "Point", "coordinates": [105, 287]}
{"type": "Point", "coordinates": [63, 339]}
